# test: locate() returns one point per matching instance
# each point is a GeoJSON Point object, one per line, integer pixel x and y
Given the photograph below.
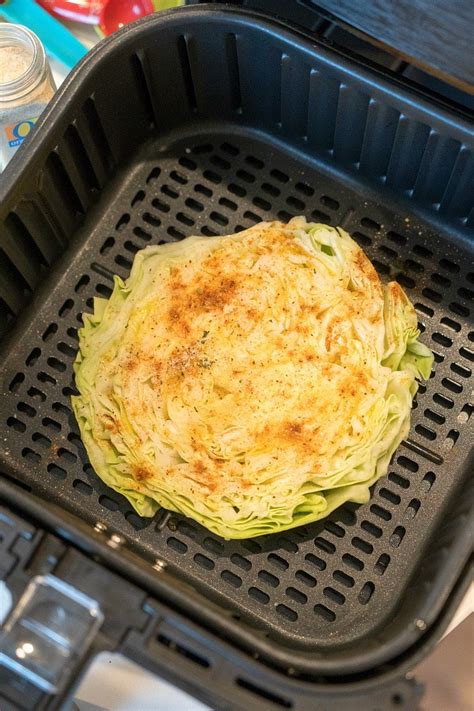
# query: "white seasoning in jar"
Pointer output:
{"type": "Point", "coordinates": [14, 62]}
{"type": "Point", "coordinates": [26, 86]}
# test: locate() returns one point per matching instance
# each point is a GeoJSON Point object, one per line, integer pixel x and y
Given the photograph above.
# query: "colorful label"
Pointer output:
{"type": "Point", "coordinates": [17, 132]}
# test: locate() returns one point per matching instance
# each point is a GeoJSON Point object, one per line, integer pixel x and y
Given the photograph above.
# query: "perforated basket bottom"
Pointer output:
{"type": "Point", "coordinates": [320, 586]}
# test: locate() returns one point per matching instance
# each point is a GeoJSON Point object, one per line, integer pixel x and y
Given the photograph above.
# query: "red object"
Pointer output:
{"type": "Point", "coordinates": [117, 13]}
{"type": "Point", "coordinates": [88, 11]}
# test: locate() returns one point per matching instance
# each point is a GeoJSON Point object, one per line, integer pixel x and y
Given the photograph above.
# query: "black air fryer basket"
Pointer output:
{"type": "Point", "coordinates": [206, 121]}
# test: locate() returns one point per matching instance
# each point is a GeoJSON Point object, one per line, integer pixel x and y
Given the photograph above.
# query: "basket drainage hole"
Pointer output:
{"type": "Point", "coordinates": [230, 204]}
{"type": "Point", "coordinates": [305, 189]}
{"type": "Point", "coordinates": [432, 295]}
{"type": "Point", "coordinates": [279, 175]}
{"type": "Point", "coordinates": [214, 546]}
{"type": "Point", "coordinates": [105, 249]}
{"type": "Point", "coordinates": [47, 378]}
{"type": "Point", "coordinates": [33, 357]}
{"type": "Point", "coordinates": [30, 455]}
{"type": "Point", "coordinates": [79, 288]}
{"type": "Point", "coordinates": [413, 508]}
{"type": "Point", "coordinates": [268, 578]}
{"type": "Point", "coordinates": [16, 382]}
{"type": "Point", "coordinates": [108, 503]}
{"type": "Point", "coordinates": [167, 190]}
{"type": "Point", "coordinates": [272, 189]}
{"type": "Point", "coordinates": [263, 693]}
{"type": "Point", "coordinates": [428, 481]}
{"type": "Point", "coordinates": [335, 529]}
{"type": "Point", "coordinates": [187, 529]}
{"type": "Point", "coordinates": [184, 651]}
{"type": "Point", "coordinates": [461, 370]}
{"type": "Point", "coordinates": [465, 414]}
{"type": "Point", "coordinates": [254, 162]}
{"type": "Point", "coordinates": [399, 480]}
{"type": "Point", "coordinates": [322, 217]}
{"type": "Point", "coordinates": [216, 178]}
{"type": "Point", "coordinates": [397, 699]}
{"type": "Point", "coordinates": [204, 561]}
{"type": "Point", "coordinates": [334, 595]}
{"type": "Point", "coordinates": [390, 496]}
{"type": "Point", "coordinates": [296, 203]}
{"type": "Point", "coordinates": [230, 149]}
{"type": "Point", "coordinates": [138, 522]}
{"type": "Point", "coordinates": [325, 613]}
{"type": "Point", "coordinates": [352, 561]}
{"type": "Point", "coordinates": [371, 528]}
{"type": "Point", "coordinates": [203, 148]}
{"type": "Point", "coordinates": [26, 409]}
{"type": "Point", "coordinates": [50, 331]}
{"type": "Point", "coordinates": [56, 471]}
{"type": "Point", "coordinates": [397, 536]}
{"type": "Point", "coordinates": [451, 439]}
{"type": "Point", "coordinates": [381, 512]}
{"type": "Point", "coordinates": [458, 309]}
{"type": "Point", "coordinates": [449, 266]}
{"type": "Point", "coordinates": [16, 425]}
{"type": "Point", "coordinates": [407, 463]}
{"type": "Point", "coordinates": [231, 578]}
{"type": "Point", "coordinates": [424, 309]}
{"type": "Point", "coordinates": [287, 545]}
{"type": "Point", "coordinates": [240, 561]}
{"type": "Point", "coordinates": [297, 595]}
{"type": "Point", "coordinates": [153, 175]}
{"type": "Point", "coordinates": [220, 162]}
{"type": "Point", "coordinates": [329, 202]}
{"type": "Point", "coordinates": [41, 439]}
{"type": "Point", "coordinates": [467, 353]}
{"type": "Point", "coordinates": [251, 216]}
{"type": "Point", "coordinates": [277, 561]}
{"type": "Point", "coordinates": [382, 564]}
{"type": "Point", "coordinates": [287, 612]}
{"type": "Point", "coordinates": [315, 560]}
{"type": "Point", "coordinates": [177, 545]}
{"type": "Point", "coordinates": [259, 595]}
{"type": "Point", "coordinates": [178, 177]}
{"type": "Point", "coordinates": [261, 203]}
{"type": "Point", "coordinates": [305, 578]}
{"type": "Point", "coordinates": [82, 487]}
{"type": "Point", "coordinates": [451, 324]}
{"type": "Point", "coordinates": [362, 545]}
{"type": "Point", "coordinates": [66, 307]}
{"type": "Point", "coordinates": [324, 545]}
{"type": "Point", "coordinates": [341, 577]}
{"type": "Point", "coordinates": [124, 220]}
{"type": "Point", "coordinates": [66, 349]}
{"type": "Point", "coordinates": [139, 197]}
{"type": "Point", "coordinates": [366, 593]}
{"type": "Point", "coordinates": [370, 224]}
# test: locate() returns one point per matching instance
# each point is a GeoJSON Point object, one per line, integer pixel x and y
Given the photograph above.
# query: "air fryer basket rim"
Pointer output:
{"type": "Point", "coordinates": [51, 123]}
{"type": "Point", "coordinates": [78, 75]}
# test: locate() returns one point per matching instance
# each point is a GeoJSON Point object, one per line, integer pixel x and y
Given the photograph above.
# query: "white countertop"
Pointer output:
{"type": "Point", "coordinates": [114, 683]}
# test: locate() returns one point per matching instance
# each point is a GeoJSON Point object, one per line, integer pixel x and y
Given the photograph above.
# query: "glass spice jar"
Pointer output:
{"type": "Point", "coordinates": [26, 86]}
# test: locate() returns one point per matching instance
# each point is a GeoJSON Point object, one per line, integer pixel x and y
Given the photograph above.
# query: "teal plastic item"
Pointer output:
{"type": "Point", "coordinates": [56, 39]}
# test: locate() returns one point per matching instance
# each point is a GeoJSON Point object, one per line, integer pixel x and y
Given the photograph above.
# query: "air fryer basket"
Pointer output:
{"type": "Point", "coordinates": [206, 121]}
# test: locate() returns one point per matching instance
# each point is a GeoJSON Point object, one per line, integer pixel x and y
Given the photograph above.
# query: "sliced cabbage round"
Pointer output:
{"type": "Point", "coordinates": [253, 382]}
